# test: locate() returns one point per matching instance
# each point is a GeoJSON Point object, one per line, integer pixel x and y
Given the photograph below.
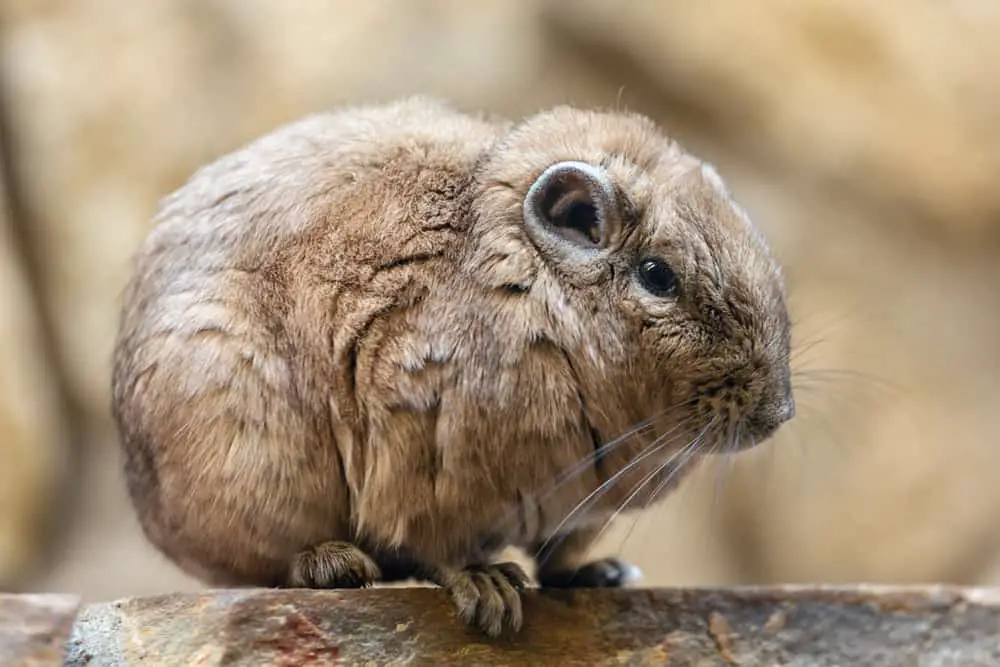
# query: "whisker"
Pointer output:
{"type": "Point", "coordinates": [662, 485]}
{"type": "Point", "coordinates": [563, 536]}
{"type": "Point", "coordinates": [658, 444]}
{"type": "Point", "coordinates": [723, 463]}
{"type": "Point", "coordinates": [831, 324]}
{"type": "Point", "coordinates": [686, 453]}
{"type": "Point", "coordinates": [835, 400]}
{"type": "Point", "coordinates": [828, 395]}
{"type": "Point", "coordinates": [829, 374]}
{"type": "Point", "coordinates": [576, 469]}
{"type": "Point", "coordinates": [611, 445]}
{"type": "Point", "coordinates": [721, 451]}
{"type": "Point", "coordinates": [805, 346]}
{"type": "Point", "coordinates": [801, 351]}
{"type": "Point", "coordinates": [827, 426]}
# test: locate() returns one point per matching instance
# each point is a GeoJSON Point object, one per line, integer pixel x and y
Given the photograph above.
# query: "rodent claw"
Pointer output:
{"type": "Point", "coordinates": [488, 597]}
{"type": "Point", "coordinates": [333, 565]}
{"type": "Point", "coordinates": [509, 591]}
{"type": "Point", "coordinates": [515, 574]}
{"type": "Point", "coordinates": [465, 595]}
{"type": "Point", "coordinates": [491, 610]}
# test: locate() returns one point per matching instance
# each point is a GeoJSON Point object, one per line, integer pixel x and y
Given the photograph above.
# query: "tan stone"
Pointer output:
{"type": "Point", "coordinates": [859, 625]}
{"type": "Point", "coordinates": [32, 435]}
{"type": "Point", "coordinates": [34, 629]}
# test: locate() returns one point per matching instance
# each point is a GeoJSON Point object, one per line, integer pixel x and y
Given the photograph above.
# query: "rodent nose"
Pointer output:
{"type": "Point", "coordinates": [770, 415]}
{"type": "Point", "coordinates": [786, 410]}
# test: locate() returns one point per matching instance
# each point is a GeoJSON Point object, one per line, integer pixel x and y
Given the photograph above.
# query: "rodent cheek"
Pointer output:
{"type": "Point", "coordinates": [501, 259]}
{"type": "Point", "coordinates": [652, 307]}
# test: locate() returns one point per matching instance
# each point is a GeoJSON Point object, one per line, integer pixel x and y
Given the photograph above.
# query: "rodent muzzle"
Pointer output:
{"type": "Point", "coordinates": [770, 415]}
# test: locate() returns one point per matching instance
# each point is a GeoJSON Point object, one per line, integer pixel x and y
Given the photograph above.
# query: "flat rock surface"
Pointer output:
{"type": "Point", "coordinates": [34, 628]}
{"type": "Point", "coordinates": [929, 627]}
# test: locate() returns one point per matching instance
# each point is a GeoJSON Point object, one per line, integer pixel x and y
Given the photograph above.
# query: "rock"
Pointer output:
{"type": "Point", "coordinates": [32, 434]}
{"type": "Point", "coordinates": [34, 629]}
{"type": "Point", "coordinates": [875, 627]}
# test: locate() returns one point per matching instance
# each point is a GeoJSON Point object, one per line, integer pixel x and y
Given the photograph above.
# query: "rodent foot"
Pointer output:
{"type": "Point", "coordinates": [603, 573]}
{"type": "Point", "coordinates": [488, 597]}
{"type": "Point", "coordinates": [333, 565]}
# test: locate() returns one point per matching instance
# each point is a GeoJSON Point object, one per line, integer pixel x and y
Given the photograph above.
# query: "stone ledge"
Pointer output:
{"type": "Point", "coordinates": [34, 628]}
{"type": "Point", "coordinates": [858, 625]}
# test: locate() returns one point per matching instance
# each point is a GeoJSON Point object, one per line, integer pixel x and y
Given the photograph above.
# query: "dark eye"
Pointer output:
{"type": "Point", "coordinates": [657, 277]}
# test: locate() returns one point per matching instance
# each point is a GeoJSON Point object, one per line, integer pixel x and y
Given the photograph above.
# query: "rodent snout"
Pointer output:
{"type": "Point", "coordinates": [771, 413]}
{"type": "Point", "coordinates": [751, 411]}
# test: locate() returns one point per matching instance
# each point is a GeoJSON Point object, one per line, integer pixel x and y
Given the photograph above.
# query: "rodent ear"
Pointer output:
{"type": "Point", "coordinates": [571, 202]}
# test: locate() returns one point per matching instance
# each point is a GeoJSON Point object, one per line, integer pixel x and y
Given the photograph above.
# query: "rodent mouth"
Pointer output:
{"type": "Point", "coordinates": [748, 434]}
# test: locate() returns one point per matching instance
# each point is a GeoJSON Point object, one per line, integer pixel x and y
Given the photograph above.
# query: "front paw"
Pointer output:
{"type": "Point", "coordinates": [488, 597]}
{"type": "Point", "coordinates": [333, 565]}
{"type": "Point", "coordinates": [603, 573]}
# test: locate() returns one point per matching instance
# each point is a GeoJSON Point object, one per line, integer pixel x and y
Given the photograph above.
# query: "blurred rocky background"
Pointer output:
{"type": "Point", "coordinates": [862, 137]}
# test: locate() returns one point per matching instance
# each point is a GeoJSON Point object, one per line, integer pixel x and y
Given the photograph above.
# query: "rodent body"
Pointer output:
{"type": "Point", "coordinates": [366, 346]}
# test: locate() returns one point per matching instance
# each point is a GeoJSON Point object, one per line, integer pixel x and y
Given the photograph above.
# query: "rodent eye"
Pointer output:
{"type": "Point", "coordinates": [658, 278]}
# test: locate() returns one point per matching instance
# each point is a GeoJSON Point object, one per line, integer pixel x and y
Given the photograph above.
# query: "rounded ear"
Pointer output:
{"type": "Point", "coordinates": [572, 204]}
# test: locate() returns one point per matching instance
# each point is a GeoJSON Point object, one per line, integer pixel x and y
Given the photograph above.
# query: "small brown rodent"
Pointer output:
{"type": "Point", "coordinates": [370, 345]}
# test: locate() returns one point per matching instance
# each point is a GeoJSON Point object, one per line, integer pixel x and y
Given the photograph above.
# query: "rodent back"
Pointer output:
{"type": "Point", "coordinates": [246, 310]}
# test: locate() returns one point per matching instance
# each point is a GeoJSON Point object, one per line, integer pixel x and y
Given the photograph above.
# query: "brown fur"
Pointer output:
{"type": "Point", "coordinates": [343, 345]}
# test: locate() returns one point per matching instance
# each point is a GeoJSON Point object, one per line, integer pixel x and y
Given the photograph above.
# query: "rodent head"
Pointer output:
{"type": "Point", "coordinates": [631, 255]}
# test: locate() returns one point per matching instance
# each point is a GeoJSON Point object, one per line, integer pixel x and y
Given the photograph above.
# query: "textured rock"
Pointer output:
{"type": "Point", "coordinates": [32, 440]}
{"type": "Point", "coordinates": [34, 629]}
{"type": "Point", "coordinates": [817, 627]}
